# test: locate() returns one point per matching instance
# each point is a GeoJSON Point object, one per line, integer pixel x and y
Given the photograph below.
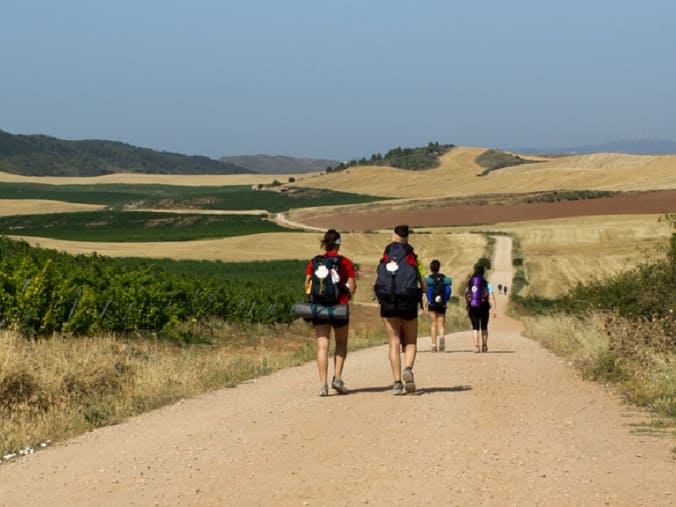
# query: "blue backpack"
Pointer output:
{"type": "Point", "coordinates": [438, 289]}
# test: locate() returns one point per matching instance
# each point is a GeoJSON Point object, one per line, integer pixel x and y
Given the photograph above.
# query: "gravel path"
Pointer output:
{"type": "Point", "coordinates": [514, 426]}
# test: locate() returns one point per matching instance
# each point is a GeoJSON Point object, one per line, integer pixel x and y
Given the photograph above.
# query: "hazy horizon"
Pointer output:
{"type": "Point", "coordinates": [338, 81]}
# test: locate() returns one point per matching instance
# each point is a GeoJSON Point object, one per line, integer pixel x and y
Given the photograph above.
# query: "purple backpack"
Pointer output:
{"type": "Point", "coordinates": [477, 292]}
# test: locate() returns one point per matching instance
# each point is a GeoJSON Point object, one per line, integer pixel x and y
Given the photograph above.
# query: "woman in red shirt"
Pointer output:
{"type": "Point", "coordinates": [322, 327]}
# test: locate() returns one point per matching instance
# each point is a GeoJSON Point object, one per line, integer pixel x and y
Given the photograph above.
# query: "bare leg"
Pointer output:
{"type": "Point", "coordinates": [484, 337]}
{"type": "Point", "coordinates": [411, 335]}
{"type": "Point", "coordinates": [433, 329]}
{"type": "Point", "coordinates": [322, 333]}
{"type": "Point", "coordinates": [441, 331]}
{"type": "Point", "coordinates": [392, 326]}
{"type": "Point", "coordinates": [341, 349]}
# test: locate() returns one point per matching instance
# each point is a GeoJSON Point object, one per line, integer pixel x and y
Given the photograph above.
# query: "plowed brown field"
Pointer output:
{"type": "Point", "coordinates": [628, 204]}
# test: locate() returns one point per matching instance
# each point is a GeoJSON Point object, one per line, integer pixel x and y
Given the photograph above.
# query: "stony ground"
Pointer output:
{"type": "Point", "coordinates": [514, 426]}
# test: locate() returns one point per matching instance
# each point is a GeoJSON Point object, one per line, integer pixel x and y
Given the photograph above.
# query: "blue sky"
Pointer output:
{"type": "Point", "coordinates": [341, 79]}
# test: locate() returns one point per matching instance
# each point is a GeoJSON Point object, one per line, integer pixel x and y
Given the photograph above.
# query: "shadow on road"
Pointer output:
{"type": "Point", "coordinates": [423, 390]}
{"type": "Point", "coordinates": [467, 351]}
{"type": "Point", "coordinates": [449, 389]}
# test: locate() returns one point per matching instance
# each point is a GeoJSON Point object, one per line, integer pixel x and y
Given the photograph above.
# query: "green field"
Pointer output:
{"type": "Point", "coordinates": [126, 226]}
{"type": "Point", "coordinates": [239, 197]}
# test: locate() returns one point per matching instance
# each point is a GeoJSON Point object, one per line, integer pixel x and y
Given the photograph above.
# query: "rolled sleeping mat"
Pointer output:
{"type": "Point", "coordinates": [447, 280]}
{"type": "Point", "coordinates": [315, 311]}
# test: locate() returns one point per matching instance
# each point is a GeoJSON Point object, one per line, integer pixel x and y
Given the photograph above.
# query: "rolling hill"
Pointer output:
{"type": "Point", "coordinates": [40, 155]}
{"type": "Point", "coordinates": [459, 175]}
{"type": "Point", "coordinates": [279, 164]}
{"type": "Point", "coordinates": [628, 146]}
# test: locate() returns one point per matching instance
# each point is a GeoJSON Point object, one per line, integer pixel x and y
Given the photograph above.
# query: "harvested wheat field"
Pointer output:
{"type": "Point", "coordinates": [457, 176]}
{"type": "Point", "coordinates": [560, 253]}
{"type": "Point", "coordinates": [514, 426]}
{"type": "Point", "coordinates": [10, 207]}
{"type": "Point", "coordinates": [206, 180]}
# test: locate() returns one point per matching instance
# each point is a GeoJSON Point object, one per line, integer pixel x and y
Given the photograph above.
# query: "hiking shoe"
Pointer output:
{"type": "Point", "coordinates": [338, 385]}
{"type": "Point", "coordinates": [484, 348]}
{"type": "Point", "coordinates": [397, 388]}
{"type": "Point", "coordinates": [409, 383]}
{"type": "Point", "coordinates": [434, 348]}
{"type": "Point", "coordinates": [323, 390]}
{"type": "Point", "coordinates": [477, 349]}
{"type": "Point", "coordinates": [442, 344]}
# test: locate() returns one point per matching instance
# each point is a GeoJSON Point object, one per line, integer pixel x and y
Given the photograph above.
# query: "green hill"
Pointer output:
{"type": "Point", "coordinates": [412, 159]}
{"type": "Point", "coordinates": [39, 155]}
{"type": "Point", "coordinates": [279, 164]}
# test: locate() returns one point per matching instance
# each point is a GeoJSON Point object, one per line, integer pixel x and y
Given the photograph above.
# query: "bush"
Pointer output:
{"type": "Point", "coordinates": [492, 160]}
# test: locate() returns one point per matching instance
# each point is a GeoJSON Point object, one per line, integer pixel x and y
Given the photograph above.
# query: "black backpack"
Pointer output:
{"type": "Point", "coordinates": [438, 289]}
{"type": "Point", "coordinates": [397, 277]}
{"type": "Point", "coordinates": [324, 290]}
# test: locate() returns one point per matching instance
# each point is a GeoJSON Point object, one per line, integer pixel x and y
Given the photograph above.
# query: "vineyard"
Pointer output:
{"type": "Point", "coordinates": [44, 292]}
{"type": "Point", "coordinates": [237, 197]}
{"type": "Point", "coordinates": [125, 226]}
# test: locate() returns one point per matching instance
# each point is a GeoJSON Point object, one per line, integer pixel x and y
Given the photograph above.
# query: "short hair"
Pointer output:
{"type": "Point", "coordinates": [402, 231]}
{"type": "Point", "coordinates": [434, 266]}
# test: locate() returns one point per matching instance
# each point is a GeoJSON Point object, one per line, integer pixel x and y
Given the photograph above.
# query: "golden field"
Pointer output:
{"type": "Point", "coordinates": [456, 176]}
{"type": "Point", "coordinates": [558, 252]}
{"type": "Point", "coordinates": [10, 207]}
{"type": "Point", "coordinates": [207, 180]}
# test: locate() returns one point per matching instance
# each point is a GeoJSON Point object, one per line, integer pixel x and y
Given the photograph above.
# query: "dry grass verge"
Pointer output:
{"type": "Point", "coordinates": [637, 358]}
{"type": "Point", "coordinates": [54, 389]}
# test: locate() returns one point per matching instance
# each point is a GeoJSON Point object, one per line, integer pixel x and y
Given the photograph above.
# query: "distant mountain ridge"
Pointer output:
{"type": "Point", "coordinates": [41, 155]}
{"type": "Point", "coordinates": [631, 146]}
{"type": "Point", "coordinates": [279, 164]}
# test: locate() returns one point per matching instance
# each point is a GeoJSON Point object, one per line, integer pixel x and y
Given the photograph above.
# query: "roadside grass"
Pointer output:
{"type": "Point", "coordinates": [134, 226]}
{"type": "Point", "coordinates": [54, 389]}
{"type": "Point", "coordinates": [636, 357]}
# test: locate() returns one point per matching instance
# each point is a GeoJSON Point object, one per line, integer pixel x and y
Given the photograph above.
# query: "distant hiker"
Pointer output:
{"type": "Point", "coordinates": [499, 288]}
{"type": "Point", "coordinates": [480, 299]}
{"type": "Point", "coordinates": [330, 270]}
{"type": "Point", "coordinates": [505, 289]}
{"type": "Point", "coordinates": [400, 287]}
{"type": "Point", "coordinates": [438, 294]}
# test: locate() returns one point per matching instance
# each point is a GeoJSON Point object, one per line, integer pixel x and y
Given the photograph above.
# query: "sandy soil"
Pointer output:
{"type": "Point", "coordinates": [514, 426]}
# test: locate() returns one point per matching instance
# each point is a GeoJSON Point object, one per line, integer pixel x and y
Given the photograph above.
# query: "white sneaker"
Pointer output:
{"type": "Point", "coordinates": [434, 348]}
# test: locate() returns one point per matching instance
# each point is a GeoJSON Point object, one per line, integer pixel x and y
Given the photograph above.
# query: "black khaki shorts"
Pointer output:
{"type": "Point", "coordinates": [334, 323]}
{"type": "Point", "coordinates": [437, 309]}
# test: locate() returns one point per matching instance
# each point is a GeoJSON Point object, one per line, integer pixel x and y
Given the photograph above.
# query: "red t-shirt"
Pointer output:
{"type": "Point", "coordinates": [345, 270]}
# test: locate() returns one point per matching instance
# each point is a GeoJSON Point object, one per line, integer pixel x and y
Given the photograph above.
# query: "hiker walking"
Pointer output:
{"type": "Point", "coordinates": [400, 287]}
{"type": "Point", "coordinates": [330, 280]}
{"type": "Point", "coordinates": [480, 299]}
{"type": "Point", "coordinates": [438, 294]}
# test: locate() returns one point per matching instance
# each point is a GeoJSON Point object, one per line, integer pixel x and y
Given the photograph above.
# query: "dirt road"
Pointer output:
{"type": "Point", "coordinates": [514, 426]}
